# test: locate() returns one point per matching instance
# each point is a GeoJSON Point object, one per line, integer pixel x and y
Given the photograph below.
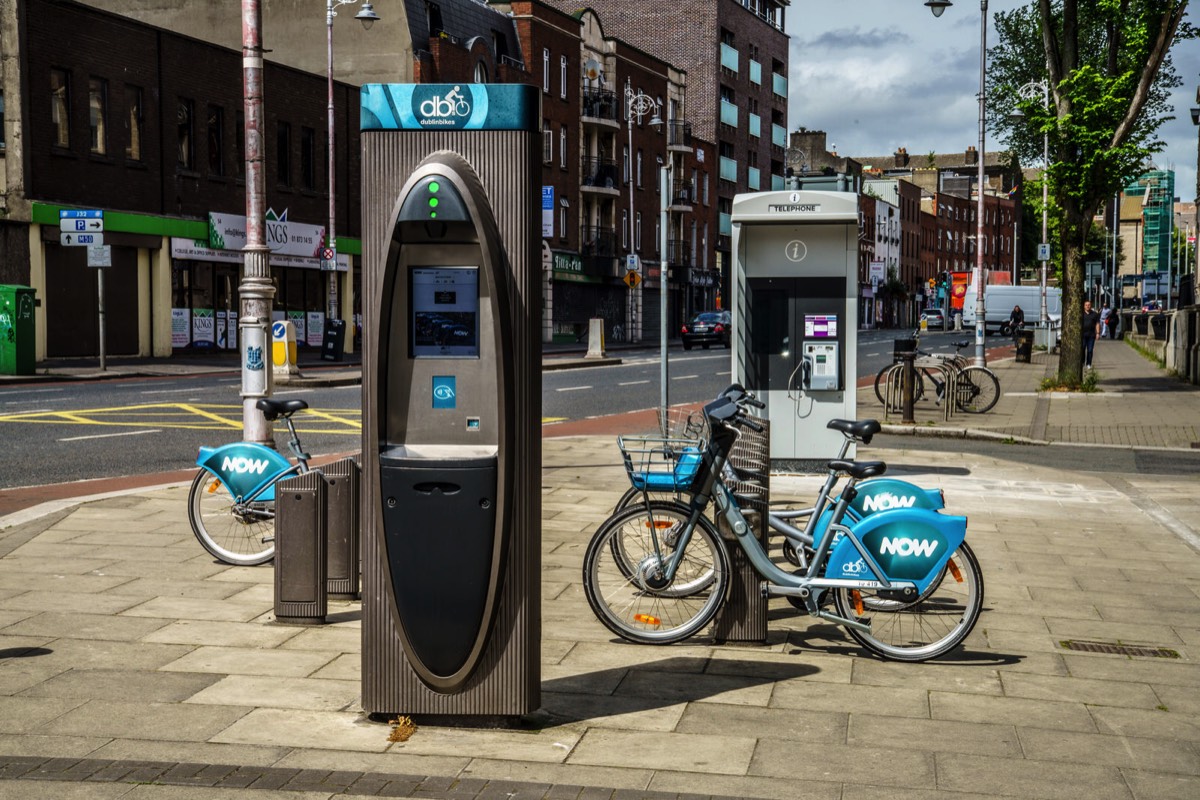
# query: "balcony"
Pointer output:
{"type": "Point", "coordinates": [597, 242]}
{"type": "Point", "coordinates": [679, 135]}
{"type": "Point", "coordinates": [683, 194]}
{"type": "Point", "coordinates": [755, 124]}
{"type": "Point", "coordinates": [728, 169]}
{"type": "Point", "coordinates": [779, 84]}
{"type": "Point", "coordinates": [729, 58]}
{"type": "Point", "coordinates": [679, 253]}
{"type": "Point", "coordinates": [729, 113]}
{"type": "Point", "coordinates": [752, 178]}
{"type": "Point", "coordinates": [724, 224]}
{"type": "Point", "coordinates": [778, 135]}
{"type": "Point", "coordinates": [599, 175]}
{"type": "Point", "coordinates": [755, 72]}
{"type": "Point", "coordinates": [600, 107]}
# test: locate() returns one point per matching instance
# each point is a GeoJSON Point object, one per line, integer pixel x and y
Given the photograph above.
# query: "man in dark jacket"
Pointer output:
{"type": "Point", "coordinates": [1091, 330]}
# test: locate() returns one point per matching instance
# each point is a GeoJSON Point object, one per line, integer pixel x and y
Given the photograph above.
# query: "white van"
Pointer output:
{"type": "Point", "coordinates": [1000, 300]}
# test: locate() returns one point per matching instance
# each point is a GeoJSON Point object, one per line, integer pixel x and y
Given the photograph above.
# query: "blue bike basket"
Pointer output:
{"type": "Point", "coordinates": [658, 464]}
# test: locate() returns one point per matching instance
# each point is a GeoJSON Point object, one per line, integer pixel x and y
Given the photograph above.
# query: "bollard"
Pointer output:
{"type": "Point", "coordinates": [342, 529]}
{"type": "Point", "coordinates": [300, 569]}
{"type": "Point", "coordinates": [595, 339]}
{"type": "Point", "coordinates": [743, 617]}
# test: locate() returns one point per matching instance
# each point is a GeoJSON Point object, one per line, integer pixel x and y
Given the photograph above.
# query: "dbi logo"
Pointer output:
{"type": "Point", "coordinates": [435, 109]}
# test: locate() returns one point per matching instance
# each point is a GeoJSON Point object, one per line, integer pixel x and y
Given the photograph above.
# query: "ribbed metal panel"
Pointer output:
{"type": "Point", "coordinates": [743, 618]}
{"type": "Point", "coordinates": [342, 528]}
{"type": "Point", "coordinates": [508, 680]}
{"type": "Point", "coordinates": [300, 542]}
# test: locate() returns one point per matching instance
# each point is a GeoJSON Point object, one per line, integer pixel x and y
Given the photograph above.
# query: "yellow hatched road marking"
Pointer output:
{"type": "Point", "coordinates": [173, 415]}
{"type": "Point", "coordinates": [200, 412]}
{"type": "Point", "coordinates": [312, 412]}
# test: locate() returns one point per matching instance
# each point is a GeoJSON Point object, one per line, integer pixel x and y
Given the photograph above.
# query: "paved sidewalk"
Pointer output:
{"type": "Point", "coordinates": [133, 666]}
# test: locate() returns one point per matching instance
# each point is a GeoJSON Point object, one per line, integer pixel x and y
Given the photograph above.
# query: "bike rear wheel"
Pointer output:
{"type": "Point", "coordinates": [932, 626]}
{"type": "Point", "coordinates": [978, 390]}
{"type": "Point", "coordinates": [239, 538]}
{"type": "Point", "coordinates": [881, 381]}
{"type": "Point", "coordinates": [624, 582]}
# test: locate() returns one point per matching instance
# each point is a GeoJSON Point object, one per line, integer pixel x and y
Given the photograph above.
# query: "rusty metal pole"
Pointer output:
{"type": "Point", "coordinates": [255, 290]}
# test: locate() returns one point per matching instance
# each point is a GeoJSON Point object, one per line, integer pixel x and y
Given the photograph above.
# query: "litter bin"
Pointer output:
{"type": "Point", "coordinates": [1158, 323]}
{"type": "Point", "coordinates": [334, 343]}
{"type": "Point", "coordinates": [1140, 322]}
{"type": "Point", "coordinates": [16, 330]}
{"type": "Point", "coordinates": [1024, 346]}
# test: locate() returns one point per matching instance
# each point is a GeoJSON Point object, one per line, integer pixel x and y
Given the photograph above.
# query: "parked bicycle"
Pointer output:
{"type": "Point", "coordinates": [977, 387]}
{"type": "Point", "coordinates": [903, 582]}
{"type": "Point", "coordinates": [231, 505]}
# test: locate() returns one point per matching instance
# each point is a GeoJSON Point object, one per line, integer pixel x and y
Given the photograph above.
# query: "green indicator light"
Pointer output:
{"type": "Point", "coordinates": [433, 187]}
{"type": "Point", "coordinates": [433, 202]}
{"type": "Point", "coordinates": [433, 214]}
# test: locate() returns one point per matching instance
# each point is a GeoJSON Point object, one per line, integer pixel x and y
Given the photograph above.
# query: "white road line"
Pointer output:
{"type": "Point", "coordinates": [292, 391]}
{"type": "Point", "coordinates": [32, 391]}
{"type": "Point", "coordinates": [729, 372]}
{"type": "Point", "coordinates": [107, 435]}
{"type": "Point", "coordinates": [572, 388]}
{"type": "Point", "coordinates": [632, 383]}
{"type": "Point", "coordinates": [172, 391]}
{"type": "Point", "coordinates": [40, 400]}
{"type": "Point", "coordinates": [684, 377]}
{"type": "Point", "coordinates": [34, 410]}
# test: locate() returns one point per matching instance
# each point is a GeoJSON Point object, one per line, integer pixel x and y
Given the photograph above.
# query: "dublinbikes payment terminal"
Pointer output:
{"type": "Point", "coordinates": [451, 412]}
{"type": "Point", "coordinates": [795, 304]}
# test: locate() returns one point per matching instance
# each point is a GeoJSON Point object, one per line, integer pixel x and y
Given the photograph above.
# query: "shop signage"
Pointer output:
{"type": "Point", "coordinates": [284, 237]}
{"type": "Point", "coordinates": [470, 106]}
{"type": "Point", "coordinates": [203, 329]}
{"type": "Point", "coordinates": [547, 211]}
{"type": "Point", "coordinates": [199, 250]}
{"type": "Point", "coordinates": [181, 321]}
{"type": "Point", "coordinates": [569, 267]}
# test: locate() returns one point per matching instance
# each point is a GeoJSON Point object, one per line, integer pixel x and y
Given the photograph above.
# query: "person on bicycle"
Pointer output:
{"type": "Point", "coordinates": [1016, 320]}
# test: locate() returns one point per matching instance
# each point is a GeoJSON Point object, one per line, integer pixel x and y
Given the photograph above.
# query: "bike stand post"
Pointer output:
{"type": "Point", "coordinates": [300, 541]}
{"type": "Point", "coordinates": [743, 617]}
{"type": "Point", "coordinates": [342, 529]}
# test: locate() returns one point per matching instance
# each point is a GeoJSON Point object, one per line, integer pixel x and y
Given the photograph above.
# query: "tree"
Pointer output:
{"type": "Point", "coordinates": [1108, 67]}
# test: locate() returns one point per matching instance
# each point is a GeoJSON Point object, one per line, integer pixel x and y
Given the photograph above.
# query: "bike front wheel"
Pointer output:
{"type": "Point", "coordinates": [624, 574]}
{"type": "Point", "coordinates": [884, 375]}
{"type": "Point", "coordinates": [978, 390]}
{"type": "Point", "coordinates": [239, 536]}
{"type": "Point", "coordinates": [932, 626]}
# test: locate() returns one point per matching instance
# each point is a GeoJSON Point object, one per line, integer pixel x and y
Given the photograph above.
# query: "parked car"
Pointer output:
{"type": "Point", "coordinates": [708, 328]}
{"type": "Point", "coordinates": [933, 317]}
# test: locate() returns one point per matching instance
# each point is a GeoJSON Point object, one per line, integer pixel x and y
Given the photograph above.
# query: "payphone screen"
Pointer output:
{"type": "Point", "coordinates": [820, 326]}
{"type": "Point", "coordinates": [444, 312]}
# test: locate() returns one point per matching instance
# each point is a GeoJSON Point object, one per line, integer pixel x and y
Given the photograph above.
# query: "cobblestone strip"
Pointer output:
{"type": "Point", "coordinates": [369, 784]}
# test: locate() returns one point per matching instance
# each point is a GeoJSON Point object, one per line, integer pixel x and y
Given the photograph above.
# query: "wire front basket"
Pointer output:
{"type": "Point", "coordinates": [658, 464]}
{"type": "Point", "coordinates": [683, 422]}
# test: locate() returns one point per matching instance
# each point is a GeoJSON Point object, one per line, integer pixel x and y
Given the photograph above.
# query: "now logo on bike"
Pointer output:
{"type": "Point", "coordinates": [885, 501]}
{"type": "Point", "coordinates": [241, 465]}
{"type": "Point", "coordinates": [907, 547]}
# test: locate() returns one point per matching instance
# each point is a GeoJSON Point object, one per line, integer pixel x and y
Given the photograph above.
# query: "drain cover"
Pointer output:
{"type": "Point", "coordinates": [1119, 649]}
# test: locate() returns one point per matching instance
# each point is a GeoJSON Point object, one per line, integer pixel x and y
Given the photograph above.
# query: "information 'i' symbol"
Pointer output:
{"type": "Point", "coordinates": [796, 250]}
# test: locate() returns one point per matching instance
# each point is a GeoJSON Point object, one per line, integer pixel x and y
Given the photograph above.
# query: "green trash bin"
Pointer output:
{"type": "Point", "coordinates": [16, 330]}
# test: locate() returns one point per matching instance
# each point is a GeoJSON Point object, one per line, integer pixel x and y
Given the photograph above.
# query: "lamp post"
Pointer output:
{"type": "Point", "coordinates": [937, 7]}
{"type": "Point", "coordinates": [1030, 92]}
{"type": "Point", "coordinates": [635, 103]}
{"type": "Point", "coordinates": [664, 185]}
{"type": "Point", "coordinates": [368, 18]}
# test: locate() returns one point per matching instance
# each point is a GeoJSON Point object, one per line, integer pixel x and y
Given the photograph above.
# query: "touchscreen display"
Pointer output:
{"type": "Point", "coordinates": [445, 312]}
{"type": "Point", "coordinates": [820, 326]}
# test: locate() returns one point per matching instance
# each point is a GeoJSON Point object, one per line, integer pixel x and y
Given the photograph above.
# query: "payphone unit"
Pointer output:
{"type": "Point", "coordinates": [451, 400]}
{"type": "Point", "coordinates": [795, 303]}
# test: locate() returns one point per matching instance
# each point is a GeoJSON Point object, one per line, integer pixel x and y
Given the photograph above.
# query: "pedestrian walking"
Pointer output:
{"type": "Point", "coordinates": [1105, 311]}
{"type": "Point", "coordinates": [1114, 322]}
{"type": "Point", "coordinates": [1091, 329]}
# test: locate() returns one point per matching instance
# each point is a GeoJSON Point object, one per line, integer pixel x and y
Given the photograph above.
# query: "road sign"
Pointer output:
{"type": "Point", "coordinates": [80, 239]}
{"type": "Point", "coordinates": [632, 262]}
{"type": "Point", "coordinates": [328, 259]}
{"type": "Point", "coordinates": [100, 256]}
{"type": "Point", "coordinates": [81, 225]}
{"type": "Point", "coordinates": [632, 279]}
{"type": "Point", "coordinates": [1043, 252]}
{"type": "Point", "coordinates": [80, 213]}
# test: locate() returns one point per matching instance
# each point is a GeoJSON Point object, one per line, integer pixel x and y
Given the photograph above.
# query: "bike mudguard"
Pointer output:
{"type": "Point", "coordinates": [908, 544]}
{"type": "Point", "coordinates": [243, 467]}
{"type": "Point", "coordinates": [884, 494]}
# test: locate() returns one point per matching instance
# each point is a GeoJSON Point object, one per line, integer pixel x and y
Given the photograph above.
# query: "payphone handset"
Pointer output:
{"type": "Point", "coordinates": [445, 390]}
{"type": "Point", "coordinates": [821, 373]}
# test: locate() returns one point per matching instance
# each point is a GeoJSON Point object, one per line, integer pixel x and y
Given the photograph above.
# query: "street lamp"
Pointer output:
{"type": "Point", "coordinates": [368, 17]}
{"type": "Point", "coordinates": [636, 103]}
{"type": "Point", "coordinates": [937, 7]}
{"type": "Point", "coordinates": [1030, 91]}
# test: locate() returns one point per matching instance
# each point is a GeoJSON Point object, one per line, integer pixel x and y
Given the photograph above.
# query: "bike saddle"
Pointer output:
{"type": "Point", "coordinates": [861, 429]}
{"type": "Point", "coordinates": [859, 469]}
{"type": "Point", "coordinates": [963, 343]}
{"type": "Point", "coordinates": [273, 409]}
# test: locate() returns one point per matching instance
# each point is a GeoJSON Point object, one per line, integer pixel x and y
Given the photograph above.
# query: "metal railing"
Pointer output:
{"type": "Point", "coordinates": [601, 172]}
{"type": "Point", "coordinates": [597, 241]}
{"type": "Point", "coordinates": [600, 104]}
{"type": "Point", "coordinates": [679, 253]}
{"type": "Point", "coordinates": [679, 134]}
{"type": "Point", "coordinates": [683, 193]}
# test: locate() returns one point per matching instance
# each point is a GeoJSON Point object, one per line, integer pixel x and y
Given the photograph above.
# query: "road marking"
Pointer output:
{"type": "Point", "coordinates": [33, 391]}
{"type": "Point", "coordinates": [292, 391]}
{"type": "Point", "coordinates": [107, 435]}
{"type": "Point", "coordinates": [201, 413]}
{"type": "Point", "coordinates": [632, 383]}
{"type": "Point", "coordinates": [169, 391]}
{"type": "Point", "coordinates": [312, 412]}
{"type": "Point", "coordinates": [40, 400]}
{"type": "Point", "coordinates": [684, 377]}
{"type": "Point", "coordinates": [572, 388]}
{"type": "Point", "coordinates": [726, 372]}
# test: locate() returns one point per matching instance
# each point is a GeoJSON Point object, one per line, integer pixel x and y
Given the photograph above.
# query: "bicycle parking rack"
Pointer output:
{"type": "Point", "coordinates": [342, 529]}
{"type": "Point", "coordinates": [743, 617]}
{"type": "Point", "coordinates": [893, 395]}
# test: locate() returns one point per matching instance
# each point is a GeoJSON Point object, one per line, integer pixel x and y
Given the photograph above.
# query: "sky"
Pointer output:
{"type": "Point", "coordinates": [876, 75]}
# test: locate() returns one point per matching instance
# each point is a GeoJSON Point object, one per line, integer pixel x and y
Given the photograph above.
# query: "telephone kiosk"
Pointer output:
{"type": "Point", "coordinates": [451, 402]}
{"type": "Point", "coordinates": [794, 299]}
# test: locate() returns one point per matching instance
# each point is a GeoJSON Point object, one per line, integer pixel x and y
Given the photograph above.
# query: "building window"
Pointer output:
{"type": "Point", "coordinates": [239, 153]}
{"type": "Point", "coordinates": [658, 237]}
{"type": "Point", "coordinates": [545, 69]}
{"type": "Point", "coordinates": [639, 168]}
{"type": "Point", "coordinates": [216, 140]}
{"type": "Point", "coordinates": [283, 154]}
{"type": "Point", "coordinates": [133, 122]}
{"type": "Point", "coordinates": [60, 106]}
{"type": "Point", "coordinates": [481, 72]}
{"type": "Point", "coordinates": [547, 143]}
{"type": "Point", "coordinates": [562, 147]}
{"type": "Point", "coordinates": [562, 77]}
{"type": "Point", "coordinates": [1, 119]}
{"type": "Point", "coordinates": [637, 235]}
{"type": "Point", "coordinates": [98, 114]}
{"type": "Point", "coordinates": [625, 165]}
{"type": "Point", "coordinates": [624, 229]}
{"type": "Point", "coordinates": [563, 206]}
{"type": "Point", "coordinates": [308, 159]}
{"type": "Point", "coordinates": [184, 134]}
